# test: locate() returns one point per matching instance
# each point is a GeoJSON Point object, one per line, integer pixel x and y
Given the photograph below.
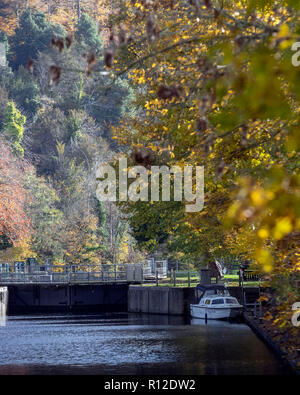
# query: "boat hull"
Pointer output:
{"type": "Point", "coordinates": [215, 313]}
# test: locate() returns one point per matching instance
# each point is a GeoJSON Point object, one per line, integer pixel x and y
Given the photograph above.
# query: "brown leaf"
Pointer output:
{"type": "Point", "coordinates": [108, 58]}
{"type": "Point", "coordinates": [30, 65]}
{"type": "Point", "coordinates": [122, 35]}
{"type": "Point", "coordinates": [142, 156]}
{"type": "Point", "coordinates": [91, 58]}
{"type": "Point", "coordinates": [54, 75]}
{"type": "Point", "coordinates": [59, 43]}
{"type": "Point", "coordinates": [195, 4]}
{"type": "Point", "coordinates": [216, 13]}
{"type": "Point", "coordinates": [111, 34]}
{"type": "Point", "coordinates": [169, 92]}
{"type": "Point", "coordinates": [91, 63]}
{"type": "Point", "coordinates": [69, 40]}
{"type": "Point", "coordinates": [151, 29]}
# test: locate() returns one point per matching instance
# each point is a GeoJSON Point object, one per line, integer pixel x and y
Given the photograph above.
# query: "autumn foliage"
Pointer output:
{"type": "Point", "coordinates": [14, 223]}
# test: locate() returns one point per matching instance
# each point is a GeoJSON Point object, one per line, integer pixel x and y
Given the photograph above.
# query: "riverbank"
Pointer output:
{"type": "Point", "coordinates": [291, 360]}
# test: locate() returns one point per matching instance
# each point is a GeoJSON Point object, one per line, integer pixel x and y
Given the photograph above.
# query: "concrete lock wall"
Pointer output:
{"type": "Point", "coordinates": [134, 273]}
{"type": "Point", "coordinates": [175, 301]}
{"type": "Point", "coordinates": [160, 300]}
{"type": "Point", "coordinates": [64, 298]}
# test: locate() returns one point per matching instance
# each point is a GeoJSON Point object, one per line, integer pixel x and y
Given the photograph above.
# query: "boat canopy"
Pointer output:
{"type": "Point", "coordinates": [211, 287]}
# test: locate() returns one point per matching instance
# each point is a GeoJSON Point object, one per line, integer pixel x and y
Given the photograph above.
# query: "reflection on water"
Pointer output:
{"type": "Point", "coordinates": [130, 344]}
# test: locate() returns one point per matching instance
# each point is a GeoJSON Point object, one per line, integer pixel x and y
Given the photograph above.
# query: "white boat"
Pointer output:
{"type": "Point", "coordinates": [215, 303]}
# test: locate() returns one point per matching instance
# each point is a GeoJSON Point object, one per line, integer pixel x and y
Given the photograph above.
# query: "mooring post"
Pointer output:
{"type": "Point", "coordinates": [3, 305]}
{"type": "Point", "coordinates": [174, 278]}
{"type": "Point", "coordinates": [244, 298]}
{"type": "Point", "coordinates": [156, 278]}
{"type": "Point", "coordinates": [189, 279]}
{"type": "Point", "coordinates": [260, 311]}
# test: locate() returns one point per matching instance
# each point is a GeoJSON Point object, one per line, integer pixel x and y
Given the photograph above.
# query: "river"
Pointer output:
{"type": "Point", "coordinates": [124, 343]}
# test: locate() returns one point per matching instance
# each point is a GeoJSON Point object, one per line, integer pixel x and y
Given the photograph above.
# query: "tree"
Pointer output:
{"type": "Point", "coordinates": [217, 87]}
{"type": "Point", "coordinates": [3, 40]}
{"type": "Point", "coordinates": [33, 35]}
{"type": "Point", "coordinates": [13, 127]}
{"type": "Point", "coordinates": [46, 220]}
{"type": "Point", "coordinates": [22, 87]}
{"type": "Point", "coordinates": [87, 33]}
{"type": "Point", "coordinates": [79, 89]}
{"type": "Point", "coordinates": [101, 214]}
{"type": "Point", "coordinates": [14, 222]}
{"type": "Point", "coordinates": [3, 104]}
{"type": "Point", "coordinates": [9, 13]}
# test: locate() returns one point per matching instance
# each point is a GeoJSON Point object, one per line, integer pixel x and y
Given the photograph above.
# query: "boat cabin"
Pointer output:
{"type": "Point", "coordinates": [217, 301]}
{"type": "Point", "coordinates": [210, 290]}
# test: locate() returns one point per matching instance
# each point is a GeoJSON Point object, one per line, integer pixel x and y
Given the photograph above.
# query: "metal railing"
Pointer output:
{"type": "Point", "coordinates": [175, 278]}
{"type": "Point", "coordinates": [107, 274]}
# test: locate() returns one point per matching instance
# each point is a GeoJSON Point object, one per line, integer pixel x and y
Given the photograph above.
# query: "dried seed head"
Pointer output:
{"type": "Point", "coordinates": [221, 168]}
{"type": "Point", "coordinates": [206, 148]}
{"type": "Point", "coordinates": [239, 40]}
{"type": "Point", "coordinates": [205, 104]}
{"type": "Point", "coordinates": [151, 29]}
{"type": "Point", "coordinates": [201, 125]}
{"type": "Point", "coordinates": [244, 138]}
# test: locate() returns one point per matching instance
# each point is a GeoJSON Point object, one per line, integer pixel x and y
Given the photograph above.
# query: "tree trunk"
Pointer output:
{"type": "Point", "coordinates": [49, 9]}
{"type": "Point", "coordinates": [78, 9]}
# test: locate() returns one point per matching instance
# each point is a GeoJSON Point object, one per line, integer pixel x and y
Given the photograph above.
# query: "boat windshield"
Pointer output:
{"type": "Point", "coordinates": [217, 301]}
{"type": "Point", "coordinates": [231, 301]}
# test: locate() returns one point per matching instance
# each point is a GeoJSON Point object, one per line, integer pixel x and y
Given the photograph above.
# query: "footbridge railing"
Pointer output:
{"type": "Point", "coordinates": [120, 273]}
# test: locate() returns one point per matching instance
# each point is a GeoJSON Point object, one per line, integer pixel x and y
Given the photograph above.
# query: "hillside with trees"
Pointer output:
{"type": "Point", "coordinates": [52, 138]}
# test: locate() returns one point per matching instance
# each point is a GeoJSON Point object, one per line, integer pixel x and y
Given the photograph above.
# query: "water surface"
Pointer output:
{"type": "Point", "coordinates": [130, 344]}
